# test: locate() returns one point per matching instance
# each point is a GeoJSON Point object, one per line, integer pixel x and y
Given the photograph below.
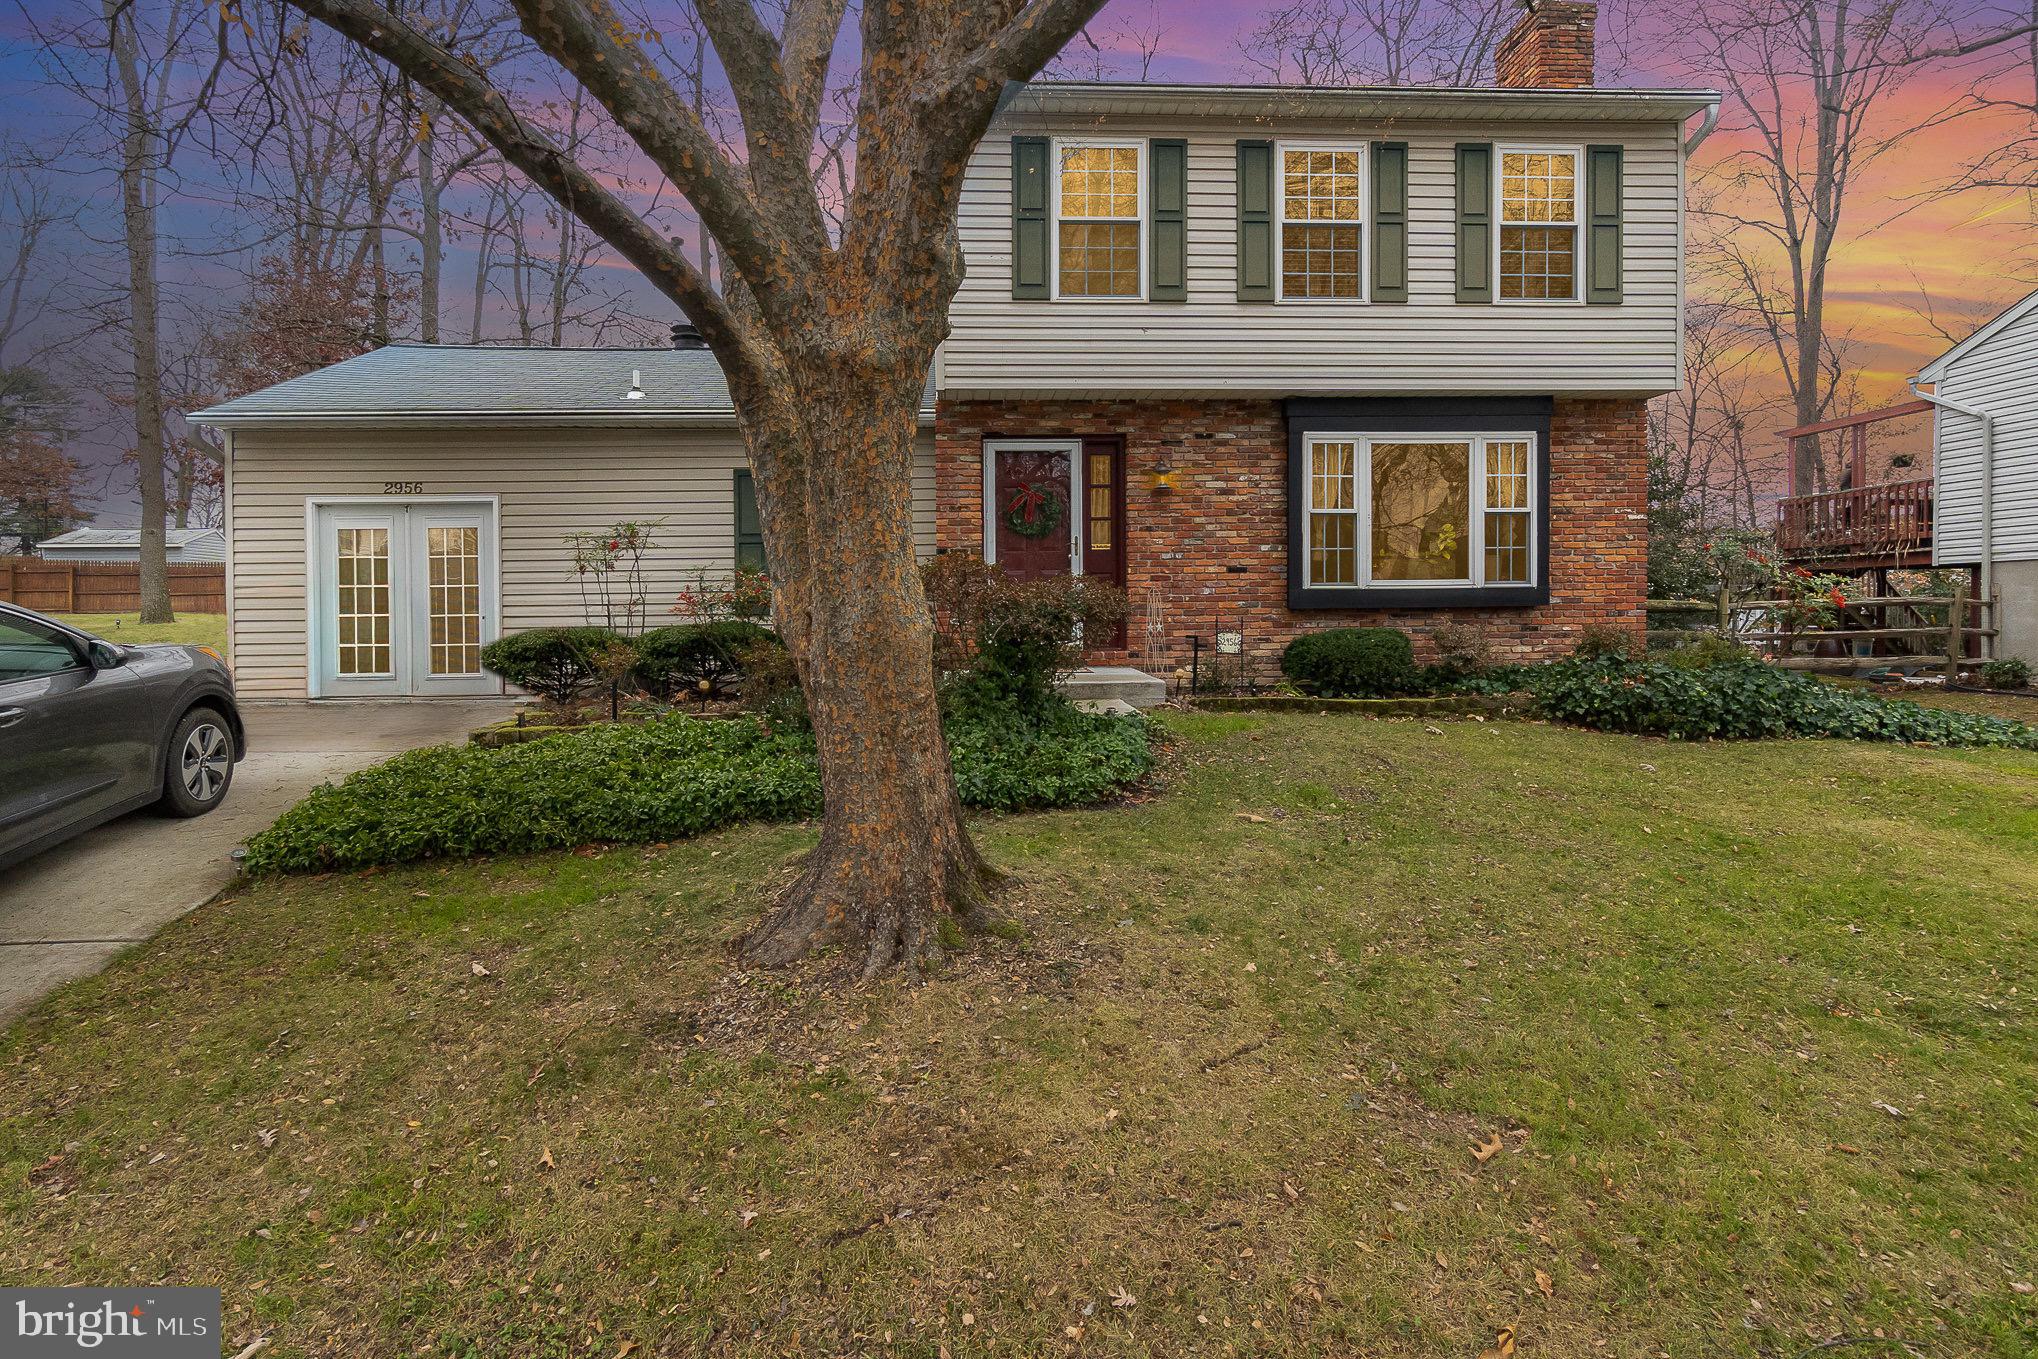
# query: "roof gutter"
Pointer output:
{"type": "Point", "coordinates": [1988, 483]}
{"type": "Point", "coordinates": [475, 419]}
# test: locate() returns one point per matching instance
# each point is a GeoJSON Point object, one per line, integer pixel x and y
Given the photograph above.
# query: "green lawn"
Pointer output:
{"type": "Point", "coordinates": [192, 629]}
{"type": "Point", "coordinates": [1235, 1067]}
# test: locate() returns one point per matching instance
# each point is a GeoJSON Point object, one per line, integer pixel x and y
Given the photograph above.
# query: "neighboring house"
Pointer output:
{"type": "Point", "coordinates": [1274, 359]}
{"type": "Point", "coordinates": [180, 546]}
{"type": "Point", "coordinates": [1985, 467]}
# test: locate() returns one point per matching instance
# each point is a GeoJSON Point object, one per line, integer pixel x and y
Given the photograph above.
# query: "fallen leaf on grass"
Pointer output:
{"type": "Point", "coordinates": [749, 1216]}
{"type": "Point", "coordinates": [1544, 1282]}
{"type": "Point", "coordinates": [1121, 1298]}
{"type": "Point", "coordinates": [1503, 1345]}
{"type": "Point", "coordinates": [480, 971]}
{"type": "Point", "coordinates": [545, 1159]}
{"type": "Point", "coordinates": [1485, 1151]}
{"type": "Point", "coordinates": [1890, 1109]}
{"type": "Point", "coordinates": [624, 1349]}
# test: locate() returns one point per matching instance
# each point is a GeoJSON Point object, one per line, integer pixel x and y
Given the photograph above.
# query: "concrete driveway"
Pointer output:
{"type": "Point", "coordinates": [65, 912]}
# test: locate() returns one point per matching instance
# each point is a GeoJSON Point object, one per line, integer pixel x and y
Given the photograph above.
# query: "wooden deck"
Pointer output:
{"type": "Point", "coordinates": [1881, 525]}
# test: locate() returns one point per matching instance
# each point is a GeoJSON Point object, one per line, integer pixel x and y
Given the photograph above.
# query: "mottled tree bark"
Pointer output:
{"type": "Point", "coordinates": [826, 340]}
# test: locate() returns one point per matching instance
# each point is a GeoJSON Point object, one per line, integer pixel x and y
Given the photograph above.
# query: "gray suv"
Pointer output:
{"type": "Point", "coordinates": [90, 730]}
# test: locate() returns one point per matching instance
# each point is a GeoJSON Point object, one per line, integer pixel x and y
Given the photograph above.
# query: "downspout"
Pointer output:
{"type": "Point", "coordinates": [1988, 482]}
{"type": "Point", "coordinates": [1696, 139]}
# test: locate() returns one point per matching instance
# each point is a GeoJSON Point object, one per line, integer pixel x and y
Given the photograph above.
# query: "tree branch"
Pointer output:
{"type": "Point", "coordinates": [484, 109]}
{"type": "Point", "coordinates": [805, 48]}
{"type": "Point", "coordinates": [780, 141]}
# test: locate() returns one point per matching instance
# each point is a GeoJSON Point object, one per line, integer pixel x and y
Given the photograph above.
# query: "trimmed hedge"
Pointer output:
{"type": "Point", "coordinates": [1352, 663]}
{"type": "Point", "coordinates": [660, 780]}
{"type": "Point", "coordinates": [554, 663]}
{"type": "Point", "coordinates": [679, 660]}
{"type": "Point", "coordinates": [1748, 701]}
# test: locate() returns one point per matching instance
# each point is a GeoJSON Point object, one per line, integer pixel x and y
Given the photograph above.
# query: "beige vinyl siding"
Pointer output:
{"type": "Point", "coordinates": [549, 483]}
{"type": "Point", "coordinates": [1431, 343]}
{"type": "Point", "coordinates": [1999, 375]}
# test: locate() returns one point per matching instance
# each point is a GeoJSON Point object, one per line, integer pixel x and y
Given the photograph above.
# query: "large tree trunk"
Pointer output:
{"type": "Point", "coordinates": [894, 858]}
{"type": "Point", "coordinates": [138, 219]}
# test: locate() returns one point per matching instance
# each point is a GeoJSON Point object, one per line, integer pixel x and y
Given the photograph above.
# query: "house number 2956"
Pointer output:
{"type": "Point", "coordinates": [403, 488]}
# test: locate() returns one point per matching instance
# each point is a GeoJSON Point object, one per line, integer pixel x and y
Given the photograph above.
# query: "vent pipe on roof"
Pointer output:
{"type": "Point", "coordinates": [687, 336]}
{"type": "Point", "coordinates": [636, 392]}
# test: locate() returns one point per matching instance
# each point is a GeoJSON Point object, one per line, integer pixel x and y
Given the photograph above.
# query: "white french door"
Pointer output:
{"type": "Point", "coordinates": [403, 598]}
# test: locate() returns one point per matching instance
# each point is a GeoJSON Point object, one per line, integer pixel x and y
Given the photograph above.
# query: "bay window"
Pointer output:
{"type": "Point", "coordinates": [1418, 510]}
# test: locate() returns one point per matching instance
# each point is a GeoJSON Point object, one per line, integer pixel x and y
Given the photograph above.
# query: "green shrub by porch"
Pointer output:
{"type": "Point", "coordinates": [553, 663]}
{"type": "Point", "coordinates": [1352, 663]}
{"type": "Point", "coordinates": [660, 780]}
{"type": "Point", "coordinates": [677, 661]}
{"type": "Point", "coordinates": [1746, 700]}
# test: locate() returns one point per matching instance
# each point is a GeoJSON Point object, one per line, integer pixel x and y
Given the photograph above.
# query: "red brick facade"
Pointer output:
{"type": "Point", "coordinates": [1210, 555]}
{"type": "Point", "coordinates": [1549, 47]}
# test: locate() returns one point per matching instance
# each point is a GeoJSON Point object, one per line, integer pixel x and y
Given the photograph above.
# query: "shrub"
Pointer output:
{"type": "Point", "coordinates": [1746, 702]}
{"type": "Point", "coordinates": [1706, 651]}
{"type": "Point", "coordinates": [696, 659]}
{"type": "Point", "coordinates": [1597, 639]}
{"type": "Point", "coordinates": [553, 663]}
{"type": "Point", "coordinates": [659, 780]}
{"type": "Point", "coordinates": [1352, 663]}
{"type": "Point", "coordinates": [1462, 651]}
{"type": "Point", "coordinates": [1003, 642]}
{"type": "Point", "coordinates": [2006, 672]}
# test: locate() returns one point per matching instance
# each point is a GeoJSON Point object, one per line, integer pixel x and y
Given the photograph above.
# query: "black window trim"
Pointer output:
{"type": "Point", "coordinates": [1307, 416]}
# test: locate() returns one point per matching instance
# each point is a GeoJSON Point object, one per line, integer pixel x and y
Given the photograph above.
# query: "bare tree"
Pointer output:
{"type": "Point", "coordinates": [826, 340]}
{"type": "Point", "coordinates": [1129, 49]}
{"type": "Point", "coordinates": [1376, 42]}
{"type": "Point", "coordinates": [1807, 83]}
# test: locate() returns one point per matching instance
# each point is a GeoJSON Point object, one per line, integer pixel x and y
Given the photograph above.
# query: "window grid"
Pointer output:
{"type": "Point", "coordinates": [1333, 513]}
{"type": "Point", "coordinates": [1493, 492]}
{"type": "Point", "coordinates": [454, 558]}
{"type": "Point", "coordinates": [1098, 203]}
{"type": "Point", "coordinates": [1539, 225]}
{"type": "Point", "coordinates": [362, 608]}
{"type": "Point", "coordinates": [1507, 512]}
{"type": "Point", "coordinates": [1321, 210]}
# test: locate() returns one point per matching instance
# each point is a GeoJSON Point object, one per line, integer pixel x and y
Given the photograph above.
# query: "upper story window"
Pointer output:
{"type": "Point", "coordinates": [1538, 237]}
{"type": "Point", "coordinates": [1321, 210]}
{"type": "Point", "coordinates": [1400, 510]}
{"type": "Point", "coordinates": [1099, 197]}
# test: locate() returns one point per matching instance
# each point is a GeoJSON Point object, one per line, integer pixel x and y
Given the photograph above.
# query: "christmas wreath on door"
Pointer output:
{"type": "Point", "coordinates": [1035, 509]}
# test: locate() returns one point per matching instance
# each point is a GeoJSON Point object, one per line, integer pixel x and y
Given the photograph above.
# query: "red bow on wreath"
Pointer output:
{"type": "Point", "coordinates": [1027, 502]}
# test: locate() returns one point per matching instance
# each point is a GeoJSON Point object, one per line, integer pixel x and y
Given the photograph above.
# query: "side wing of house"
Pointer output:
{"type": "Point", "coordinates": [346, 543]}
{"type": "Point", "coordinates": [1997, 374]}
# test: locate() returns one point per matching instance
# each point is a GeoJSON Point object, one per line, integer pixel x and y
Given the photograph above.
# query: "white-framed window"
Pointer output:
{"type": "Point", "coordinates": [1323, 212]}
{"type": "Point", "coordinates": [1100, 219]}
{"type": "Point", "coordinates": [1398, 510]}
{"type": "Point", "coordinates": [1536, 246]}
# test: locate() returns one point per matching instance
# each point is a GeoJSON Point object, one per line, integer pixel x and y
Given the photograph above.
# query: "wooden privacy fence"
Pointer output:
{"type": "Point", "coordinates": [106, 587]}
{"type": "Point", "coordinates": [1907, 632]}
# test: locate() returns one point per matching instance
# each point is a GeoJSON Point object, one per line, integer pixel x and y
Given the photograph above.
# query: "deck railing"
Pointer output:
{"type": "Point", "coordinates": [1885, 518]}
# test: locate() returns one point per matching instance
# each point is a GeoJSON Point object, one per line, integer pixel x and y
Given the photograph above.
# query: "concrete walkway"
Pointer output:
{"type": "Point", "coordinates": [66, 911]}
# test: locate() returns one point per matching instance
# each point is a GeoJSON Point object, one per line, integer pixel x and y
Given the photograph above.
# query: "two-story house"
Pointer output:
{"type": "Point", "coordinates": [1274, 359]}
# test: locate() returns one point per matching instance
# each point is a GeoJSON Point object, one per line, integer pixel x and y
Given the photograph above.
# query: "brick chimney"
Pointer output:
{"type": "Point", "coordinates": [1549, 47]}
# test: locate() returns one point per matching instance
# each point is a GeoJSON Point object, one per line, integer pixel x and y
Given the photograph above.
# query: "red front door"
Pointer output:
{"type": "Point", "coordinates": [1033, 524]}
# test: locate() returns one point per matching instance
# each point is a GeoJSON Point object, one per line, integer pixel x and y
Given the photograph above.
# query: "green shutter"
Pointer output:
{"type": "Point", "coordinates": [1390, 221]}
{"type": "Point", "coordinates": [749, 528]}
{"type": "Point", "coordinates": [1256, 221]}
{"type": "Point", "coordinates": [1603, 224]}
{"type": "Point", "coordinates": [1475, 221]}
{"type": "Point", "coordinates": [1168, 255]}
{"type": "Point", "coordinates": [1029, 218]}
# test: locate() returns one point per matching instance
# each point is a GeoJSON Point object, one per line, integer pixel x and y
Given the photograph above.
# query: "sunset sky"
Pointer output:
{"type": "Point", "coordinates": [1973, 254]}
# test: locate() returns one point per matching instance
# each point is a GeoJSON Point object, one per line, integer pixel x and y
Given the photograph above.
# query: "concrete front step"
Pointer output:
{"type": "Point", "coordinates": [1135, 687]}
{"type": "Point", "coordinates": [1107, 707]}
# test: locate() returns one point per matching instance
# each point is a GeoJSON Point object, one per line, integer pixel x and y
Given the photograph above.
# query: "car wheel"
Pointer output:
{"type": "Point", "coordinates": [199, 766]}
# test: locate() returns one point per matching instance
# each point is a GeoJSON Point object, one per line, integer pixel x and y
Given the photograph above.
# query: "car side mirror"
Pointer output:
{"type": "Point", "coordinates": [106, 656]}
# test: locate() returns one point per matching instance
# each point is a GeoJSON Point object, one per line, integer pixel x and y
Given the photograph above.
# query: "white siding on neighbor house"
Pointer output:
{"type": "Point", "coordinates": [1998, 375]}
{"type": "Point", "coordinates": [1213, 343]}
{"type": "Point", "coordinates": [550, 483]}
